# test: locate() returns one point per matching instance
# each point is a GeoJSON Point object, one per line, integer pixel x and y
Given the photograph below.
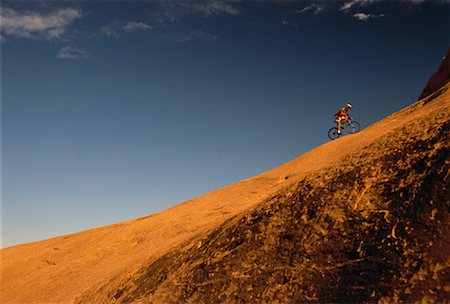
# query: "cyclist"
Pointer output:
{"type": "Point", "coordinates": [342, 116]}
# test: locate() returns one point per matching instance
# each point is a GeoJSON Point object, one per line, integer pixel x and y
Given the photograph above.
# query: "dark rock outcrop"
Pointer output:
{"type": "Point", "coordinates": [438, 79]}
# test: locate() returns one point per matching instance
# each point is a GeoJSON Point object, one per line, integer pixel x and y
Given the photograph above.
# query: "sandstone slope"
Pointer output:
{"type": "Point", "coordinates": [369, 226]}
{"type": "Point", "coordinates": [362, 218]}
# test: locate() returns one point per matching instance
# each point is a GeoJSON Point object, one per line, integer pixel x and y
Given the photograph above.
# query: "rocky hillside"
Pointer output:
{"type": "Point", "coordinates": [364, 218]}
{"type": "Point", "coordinates": [370, 227]}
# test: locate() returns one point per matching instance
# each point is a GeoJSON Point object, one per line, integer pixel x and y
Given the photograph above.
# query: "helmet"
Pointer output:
{"type": "Point", "coordinates": [349, 105]}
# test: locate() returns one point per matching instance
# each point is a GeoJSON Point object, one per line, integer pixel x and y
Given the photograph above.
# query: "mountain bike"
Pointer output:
{"type": "Point", "coordinates": [351, 125]}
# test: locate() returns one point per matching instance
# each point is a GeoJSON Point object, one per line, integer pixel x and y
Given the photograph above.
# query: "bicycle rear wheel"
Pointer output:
{"type": "Point", "coordinates": [353, 127]}
{"type": "Point", "coordinates": [333, 133]}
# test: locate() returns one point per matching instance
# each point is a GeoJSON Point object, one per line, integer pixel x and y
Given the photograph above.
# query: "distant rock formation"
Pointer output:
{"type": "Point", "coordinates": [438, 79]}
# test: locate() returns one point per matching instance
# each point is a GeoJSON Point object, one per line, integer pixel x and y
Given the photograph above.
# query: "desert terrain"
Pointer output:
{"type": "Point", "coordinates": [364, 218]}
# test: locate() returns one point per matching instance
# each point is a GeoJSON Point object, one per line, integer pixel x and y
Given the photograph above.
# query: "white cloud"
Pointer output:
{"type": "Point", "coordinates": [174, 10]}
{"type": "Point", "coordinates": [136, 26]}
{"type": "Point", "coordinates": [347, 6]}
{"type": "Point", "coordinates": [365, 16]}
{"type": "Point", "coordinates": [2, 39]}
{"type": "Point", "coordinates": [69, 52]}
{"type": "Point", "coordinates": [361, 16]}
{"type": "Point", "coordinates": [37, 25]}
{"type": "Point", "coordinates": [313, 7]}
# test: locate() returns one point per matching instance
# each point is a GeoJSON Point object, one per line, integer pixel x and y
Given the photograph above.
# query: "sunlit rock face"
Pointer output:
{"type": "Point", "coordinates": [371, 228]}
{"type": "Point", "coordinates": [364, 218]}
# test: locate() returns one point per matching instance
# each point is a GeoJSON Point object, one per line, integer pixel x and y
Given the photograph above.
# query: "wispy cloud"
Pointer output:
{"type": "Point", "coordinates": [350, 4]}
{"type": "Point", "coordinates": [174, 10]}
{"type": "Point", "coordinates": [214, 7]}
{"type": "Point", "coordinates": [117, 29]}
{"type": "Point", "coordinates": [137, 26]}
{"type": "Point", "coordinates": [27, 24]}
{"type": "Point", "coordinates": [347, 6]}
{"type": "Point", "coordinates": [315, 8]}
{"type": "Point", "coordinates": [319, 6]}
{"type": "Point", "coordinates": [69, 52]}
{"type": "Point", "coordinates": [366, 16]}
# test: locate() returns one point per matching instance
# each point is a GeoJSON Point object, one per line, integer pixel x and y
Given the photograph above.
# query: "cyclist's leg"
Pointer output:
{"type": "Point", "coordinates": [338, 121]}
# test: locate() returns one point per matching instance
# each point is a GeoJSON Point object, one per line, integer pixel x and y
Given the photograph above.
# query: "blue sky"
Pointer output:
{"type": "Point", "coordinates": [116, 110]}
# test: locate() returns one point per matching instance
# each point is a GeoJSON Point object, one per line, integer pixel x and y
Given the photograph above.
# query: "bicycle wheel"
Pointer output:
{"type": "Point", "coordinates": [353, 127]}
{"type": "Point", "coordinates": [333, 133]}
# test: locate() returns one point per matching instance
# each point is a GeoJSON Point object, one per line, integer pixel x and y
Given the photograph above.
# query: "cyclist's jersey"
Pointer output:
{"type": "Point", "coordinates": [342, 112]}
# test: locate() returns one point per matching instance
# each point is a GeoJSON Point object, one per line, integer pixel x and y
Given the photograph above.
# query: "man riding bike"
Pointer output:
{"type": "Point", "coordinates": [341, 116]}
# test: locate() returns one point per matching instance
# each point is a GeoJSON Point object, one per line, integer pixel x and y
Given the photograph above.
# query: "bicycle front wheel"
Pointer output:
{"type": "Point", "coordinates": [353, 127]}
{"type": "Point", "coordinates": [333, 133]}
